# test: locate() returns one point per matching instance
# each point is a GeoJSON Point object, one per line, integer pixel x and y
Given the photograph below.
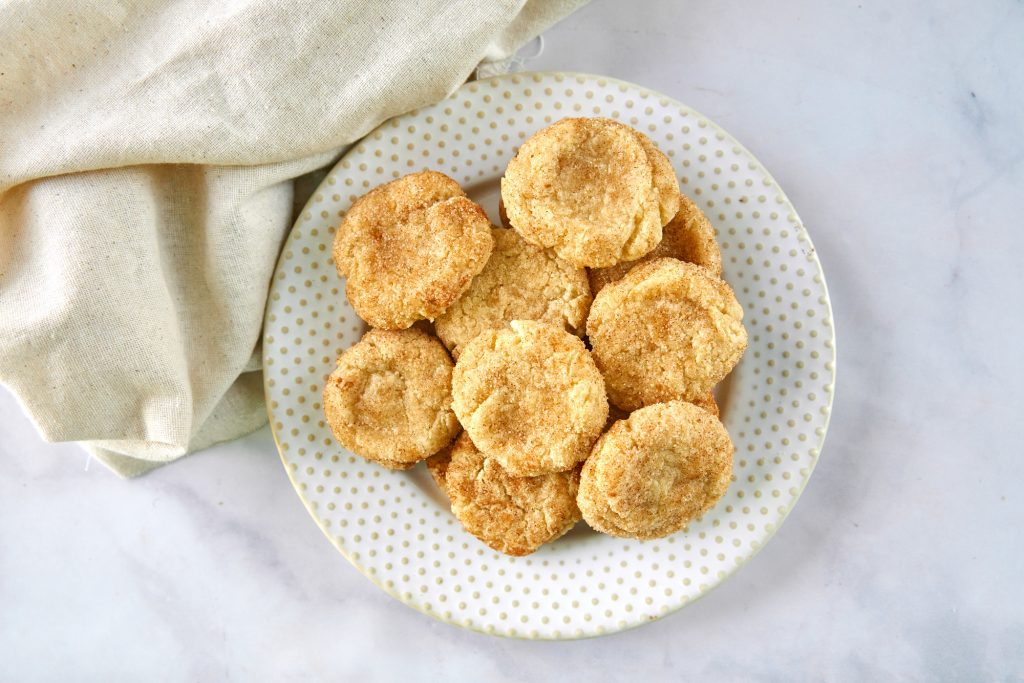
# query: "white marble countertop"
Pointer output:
{"type": "Point", "coordinates": [896, 129]}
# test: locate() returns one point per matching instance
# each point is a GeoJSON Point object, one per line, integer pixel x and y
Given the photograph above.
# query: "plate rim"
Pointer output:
{"type": "Point", "coordinates": [518, 635]}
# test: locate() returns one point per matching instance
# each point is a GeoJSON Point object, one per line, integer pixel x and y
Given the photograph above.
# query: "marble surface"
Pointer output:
{"type": "Point", "coordinates": [895, 128]}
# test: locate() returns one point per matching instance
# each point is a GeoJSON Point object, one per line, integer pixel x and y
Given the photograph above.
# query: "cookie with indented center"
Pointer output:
{"type": "Point", "coordinates": [513, 515]}
{"type": "Point", "coordinates": [530, 397]}
{"type": "Point", "coordinates": [649, 475]}
{"type": "Point", "coordinates": [410, 249]}
{"type": "Point", "coordinates": [668, 330]}
{"type": "Point", "coordinates": [389, 398]}
{"type": "Point", "coordinates": [593, 190]}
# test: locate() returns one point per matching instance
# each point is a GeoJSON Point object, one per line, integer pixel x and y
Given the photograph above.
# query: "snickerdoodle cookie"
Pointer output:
{"type": "Point", "coordinates": [648, 476]}
{"type": "Point", "coordinates": [410, 248]}
{"type": "Point", "coordinates": [520, 282]}
{"type": "Point", "coordinates": [668, 330]}
{"type": "Point", "coordinates": [689, 236]}
{"type": "Point", "coordinates": [529, 396]}
{"type": "Point", "coordinates": [514, 515]}
{"type": "Point", "coordinates": [707, 402]}
{"type": "Point", "coordinates": [389, 399]}
{"type": "Point", "coordinates": [594, 190]}
{"type": "Point", "coordinates": [437, 465]}
{"type": "Point", "coordinates": [502, 214]}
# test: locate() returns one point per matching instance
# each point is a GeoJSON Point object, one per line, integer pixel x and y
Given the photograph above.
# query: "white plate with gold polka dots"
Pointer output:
{"type": "Point", "coordinates": [396, 527]}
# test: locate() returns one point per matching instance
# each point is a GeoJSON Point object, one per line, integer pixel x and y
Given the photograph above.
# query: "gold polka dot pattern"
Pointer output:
{"type": "Point", "coordinates": [396, 528]}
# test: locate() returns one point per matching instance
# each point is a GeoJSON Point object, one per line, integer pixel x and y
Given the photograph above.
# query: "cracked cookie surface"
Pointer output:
{"type": "Point", "coordinates": [667, 330]}
{"type": "Point", "coordinates": [594, 190]}
{"type": "Point", "coordinates": [650, 474]}
{"type": "Point", "coordinates": [513, 515]}
{"type": "Point", "coordinates": [689, 237]}
{"type": "Point", "coordinates": [389, 398]}
{"type": "Point", "coordinates": [410, 248]}
{"type": "Point", "coordinates": [530, 396]}
{"type": "Point", "coordinates": [521, 281]}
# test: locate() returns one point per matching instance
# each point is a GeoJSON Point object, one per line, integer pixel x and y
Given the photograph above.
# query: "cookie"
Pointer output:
{"type": "Point", "coordinates": [529, 396]}
{"type": "Point", "coordinates": [437, 465]}
{"type": "Point", "coordinates": [520, 282]}
{"type": "Point", "coordinates": [513, 515]}
{"type": "Point", "coordinates": [614, 415]}
{"type": "Point", "coordinates": [503, 215]}
{"type": "Point", "coordinates": [708, 403]}
{"type": "Point", "coordinates": [410, 249]}
{"type": "Point", "coordinates": [389, 398]}
{"type": "Point", "coordinates": [664, 178]}
{"type": "Point", "coordinates": [648, 476]}
{"type": "Point", "coordinates": [689, 236]}
{"type": "Point", "coordinates": [668, 330]}
{"type": "Point", "coordinates": [594, 190]}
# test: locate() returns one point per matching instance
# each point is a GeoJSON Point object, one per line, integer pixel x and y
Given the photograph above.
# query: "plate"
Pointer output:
{"type": "Point", "coordinates": [396, 527]}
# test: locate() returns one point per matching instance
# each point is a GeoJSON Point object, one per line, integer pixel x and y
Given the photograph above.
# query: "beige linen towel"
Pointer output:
{"type": "Point", "coordinates": [147, 158]}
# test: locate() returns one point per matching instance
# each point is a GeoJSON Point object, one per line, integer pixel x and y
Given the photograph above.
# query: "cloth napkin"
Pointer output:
{"type": "Point", "coordinates": [148, 152]}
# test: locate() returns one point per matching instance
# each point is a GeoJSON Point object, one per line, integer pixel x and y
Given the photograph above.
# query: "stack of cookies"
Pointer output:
{"type": "Point", "coordinates": [555, 369]}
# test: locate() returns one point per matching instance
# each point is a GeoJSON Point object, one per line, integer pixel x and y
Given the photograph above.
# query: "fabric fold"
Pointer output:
{"type": "Point", "coordinates": [148, 157]}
